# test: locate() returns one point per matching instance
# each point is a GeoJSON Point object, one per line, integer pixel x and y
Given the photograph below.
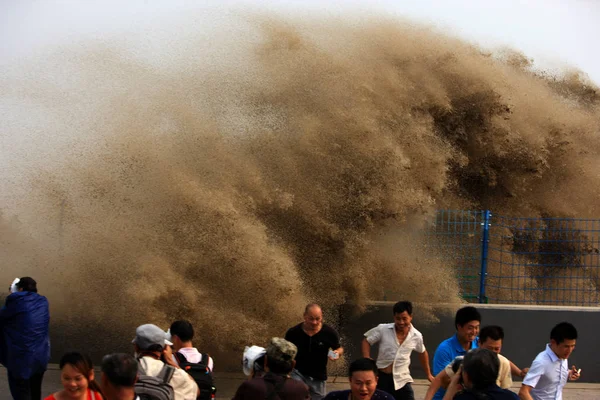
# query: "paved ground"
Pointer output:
{"type": "Point", "coordinates": [227, 383]}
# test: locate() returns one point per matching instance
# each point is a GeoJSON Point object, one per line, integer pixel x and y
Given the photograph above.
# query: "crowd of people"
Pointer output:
{"type": "Point", "coordinates": [165, 365]}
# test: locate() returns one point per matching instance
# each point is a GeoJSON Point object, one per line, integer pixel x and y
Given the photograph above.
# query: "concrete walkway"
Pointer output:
{"type": "Point", "coordinates": [227, 383]}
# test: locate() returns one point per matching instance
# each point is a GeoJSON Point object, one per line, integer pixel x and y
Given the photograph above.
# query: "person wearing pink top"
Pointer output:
{"type": "Point", "coordinates": [198, 365]}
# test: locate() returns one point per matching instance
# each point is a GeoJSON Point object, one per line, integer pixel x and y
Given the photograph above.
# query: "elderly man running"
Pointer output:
{"type": "Point", "coordinates": [317, 343]}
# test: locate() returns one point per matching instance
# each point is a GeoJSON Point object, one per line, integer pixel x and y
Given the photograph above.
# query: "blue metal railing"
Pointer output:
{"type": "Point", "coordinates": [501, 259]}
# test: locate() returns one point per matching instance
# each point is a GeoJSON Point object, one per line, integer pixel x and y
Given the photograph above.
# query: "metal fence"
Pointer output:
{"type": "Point", "coordinates": [499, 259]}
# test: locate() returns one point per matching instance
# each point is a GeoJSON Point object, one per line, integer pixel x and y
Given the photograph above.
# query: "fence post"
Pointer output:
{"type": "Point", "coordinates": [485, 240]}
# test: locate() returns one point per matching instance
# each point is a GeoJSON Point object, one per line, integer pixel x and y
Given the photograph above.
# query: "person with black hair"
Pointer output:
{"type": "Point", "coordinates": [363, 377]}
{"type": "Point", "coordinates": [490, 338]}
{"type": "Point", "coordinates": [276, 383]}
{"type": "Point", "coordinates": [155, 359]}
{"type": "Point", "coordinates": [77, 377]}
{"type": "Point", "coordinates": [181, 334]}
{"type": "Point", "coordinates": [476, 378]}
{"type": "Point", "coordinates": [198, 365]}
{"type": "Point", "coordinates": [397, 340]}
{"type": "Point", "coordinates": [119, 375]}
{"type": "Point", "coordinates": [466, 323]}
{"type": "Point", "coordinates": [25, 339]}
{"type": "Point", "coordinates": [550, 371]}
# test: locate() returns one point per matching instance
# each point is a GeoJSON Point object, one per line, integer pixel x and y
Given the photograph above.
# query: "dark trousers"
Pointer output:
{"type": "Point", "coordinates": [26, 389]}
{"type": "Point", "coordinates": [386, 383]}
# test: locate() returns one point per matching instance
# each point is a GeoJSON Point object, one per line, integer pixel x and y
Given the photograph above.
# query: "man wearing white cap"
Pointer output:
{"type": "Point", "coordinates": [279, 361]}
{"type": "Point", "coordinates": [153, 352]}
{"type": "Point", "coordinates": [253, 361]}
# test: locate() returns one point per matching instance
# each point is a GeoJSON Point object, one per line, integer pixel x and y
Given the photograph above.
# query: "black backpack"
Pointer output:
{"type": "Point", "coordinates": [200, 373]}
{"type": "Point", "coordinates": [155, 387]}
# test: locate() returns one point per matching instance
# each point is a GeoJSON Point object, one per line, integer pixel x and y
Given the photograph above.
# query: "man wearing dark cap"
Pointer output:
{"type": "Point", "coordinates": [276, 383]}
{"type": "Point", "coordinates": [24, 339]}
{"type": "Point", "coordinates": [153, 353]}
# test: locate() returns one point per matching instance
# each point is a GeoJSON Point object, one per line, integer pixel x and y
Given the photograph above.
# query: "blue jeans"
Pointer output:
{"type": "Point", "coordinates": [316, 387]}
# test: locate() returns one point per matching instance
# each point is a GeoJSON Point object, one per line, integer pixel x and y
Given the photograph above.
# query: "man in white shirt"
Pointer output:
{"type": "Point", "coordinates": [396, 342]}
{"type": "Point", "coordinates": [550, 371]}
{"type": "Point", "coordinates": [153, 352]}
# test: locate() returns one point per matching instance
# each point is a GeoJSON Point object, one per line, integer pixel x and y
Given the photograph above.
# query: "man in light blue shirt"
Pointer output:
{"type": "Point", "coordinates": [467, 323]}
{"type": "Point", "coordinates": [550, 371]}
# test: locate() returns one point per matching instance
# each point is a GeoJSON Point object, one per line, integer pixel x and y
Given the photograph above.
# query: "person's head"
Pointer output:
{"type": "Point", "coordinates": [562, 339]}
{"type": "Point", "coordinates": [280, 356]}
{"type": "Point", "coordinates": [182, 333]}
{"type": "Point", "coordinates": [77, 375]}
{"type": "Point", "coordinates": [362, 375]}
{"type": "Point", "coordinates": [491, 337]}
{"type": "Point", "coordinates": [27, 284]}
{"type": "Point", "coordinates": [480, 368]}
{"type": "Point", "coordinates": [467, 323]}
{"type": "Point", "coordinates": [150, 338]}
{"type": "Point", "coordinates": [258, 367]}
{"type": "Point", "coordinates": [457, 362]}
{"type": "Point", "coordinates": [253, 361]}
{"type": "Point", "coordinates": [402, 314]}
{"type": "Point", "coordinates": [119, 375]}
{"type": "Point", "coordinates": [313, 318]}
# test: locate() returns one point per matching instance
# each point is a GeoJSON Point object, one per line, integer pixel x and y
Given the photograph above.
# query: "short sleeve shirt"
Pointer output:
{"type": "Point", "coordinates": [311, 360]}
{"type": "Point", "coordinates": [184, 386]}
{"type": "Point", "coordinates": [504, 376]}
{"type": "Point", "coordinates": [444, 355]}
{"type": "Point", "coordinates": [390, 352]}
{"type": "Point", "coordinates": [547, 376]}
{"type": "Point", "coordinates": [194, 356]}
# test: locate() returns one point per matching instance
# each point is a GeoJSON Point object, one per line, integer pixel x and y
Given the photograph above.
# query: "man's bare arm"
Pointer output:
{"type": "Point", "coordinates": [424, 359]}
{"type": "Point", "coordinates": [455, 385]}
{"type": "Point", "coordinates": [516, 371]}
{"type": "Point", "coordinates": [365, 348]}
{"type": "Point", "coordinates": [525, 392]}
{"type": "Point", "coordinates": [440, 380]}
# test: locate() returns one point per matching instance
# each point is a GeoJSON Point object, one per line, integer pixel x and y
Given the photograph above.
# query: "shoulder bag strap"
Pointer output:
{"type": "Point", "coordinates": [166, 373]}
{"type": "Point", "coordinates": [180, 357]}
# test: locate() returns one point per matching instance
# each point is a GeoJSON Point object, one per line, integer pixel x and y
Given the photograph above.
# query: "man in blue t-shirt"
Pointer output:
{"type": "Point", "coordinates": [467, 323]}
